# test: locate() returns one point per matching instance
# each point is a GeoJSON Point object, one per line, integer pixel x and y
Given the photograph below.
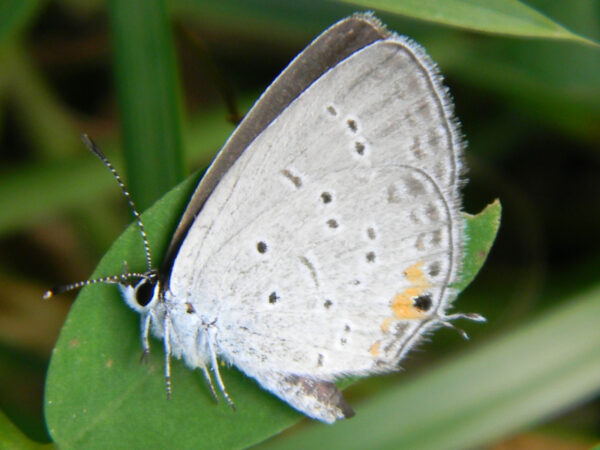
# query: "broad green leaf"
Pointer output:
{"type": "Point", "coordinates": [116, 399]}
{"type": "Point", "coordinates": [500, 388]}
{"type": "Point", "coordinates": [97, 393]}
{"type": "Point", "coordinates": [509, 17]}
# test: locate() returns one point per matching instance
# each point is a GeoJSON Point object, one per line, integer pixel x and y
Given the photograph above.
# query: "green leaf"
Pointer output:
{"type": "Point", "coordinates": [97, 393]}
{"type": "Point", "coordinates": [149, 94]}
{"type": "Point", "coordinates": [116, 399]}
{"type": "Point", "coordinates": [481, 231]}
{"type": "Point", "coordinates": [12, 438]}
{"type": "Point", "coordinates": [500, 388]}
{"type": "Point", "coordinates": [509, 17]}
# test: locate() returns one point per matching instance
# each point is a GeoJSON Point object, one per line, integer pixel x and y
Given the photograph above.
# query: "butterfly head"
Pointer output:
{"type": "Point", "coordinates": [143, 292]}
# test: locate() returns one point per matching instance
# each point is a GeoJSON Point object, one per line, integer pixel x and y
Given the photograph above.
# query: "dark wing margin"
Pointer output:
{"type": "Point", "coordinates": [332, 46]}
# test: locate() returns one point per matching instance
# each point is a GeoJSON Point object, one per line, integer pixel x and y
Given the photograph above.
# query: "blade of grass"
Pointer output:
{"type": "Point", "coordinates": [149, 96]}
{"type": "Point", "coordinates": [508, 17]}
{"type": "Point", "coordinates": [44, 118]}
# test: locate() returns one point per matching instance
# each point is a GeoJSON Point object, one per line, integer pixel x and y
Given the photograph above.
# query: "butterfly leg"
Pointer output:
{"type": "Point", "coordinates": [446, 321]}
{"type": "Point", "coordinates": [145, 325]}
{"type": "Point", "coordinates": [200, 362]}
{"type": "Point", "coordinates": [215, 365]}
{"type": "Point", "coordinates": [206, 373]}
{"type": "Point", "coordinates": [167, 344]}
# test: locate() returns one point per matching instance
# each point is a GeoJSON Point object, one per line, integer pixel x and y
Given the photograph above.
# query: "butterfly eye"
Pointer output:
{"type": "Point", "coordinates": [144, 292]}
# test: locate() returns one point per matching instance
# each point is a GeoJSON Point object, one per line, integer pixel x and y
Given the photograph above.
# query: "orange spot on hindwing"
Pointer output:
{"type": "Point", "coordinates": [385, 326]}
{"type": "Point", "coordinates": [403, 304]}
{"type": "Point", "coordinates": [374, 349]}
{"type": "Point", "coordinates": [406, 305]}
{"type": "Point", "coordinates": [414, 274]}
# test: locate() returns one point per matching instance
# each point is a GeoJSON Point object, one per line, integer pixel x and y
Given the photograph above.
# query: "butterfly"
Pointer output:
{"type": "Point", "coordinates": [324, 239]}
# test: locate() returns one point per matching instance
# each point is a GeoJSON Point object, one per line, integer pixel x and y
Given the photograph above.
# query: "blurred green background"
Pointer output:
{"type": "Point", "coordinates": [158, 87]}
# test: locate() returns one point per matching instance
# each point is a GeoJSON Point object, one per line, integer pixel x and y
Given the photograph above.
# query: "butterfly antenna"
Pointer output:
{"type": "Point", "coordinates": [96, 151]}
{"type": "Point", "coordinates": [122, 278]}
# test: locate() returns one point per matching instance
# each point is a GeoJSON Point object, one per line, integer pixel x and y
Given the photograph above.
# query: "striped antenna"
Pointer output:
{"type": "Point", "coordinates": [96, 151]}
{"type": "Point", "coordinates": [122, 278]}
